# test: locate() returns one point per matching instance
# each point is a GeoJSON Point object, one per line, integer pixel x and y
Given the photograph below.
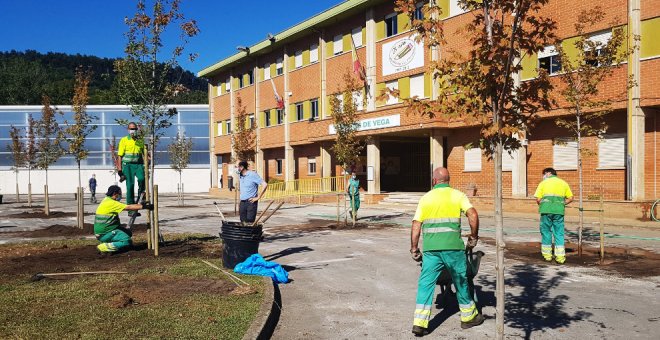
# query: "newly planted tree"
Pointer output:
{"type": "Point", "coordinates": [49, 142]}
{"type": "Point", "coordinates": [478, 84]}
{"type": "Point", "coordinates": [179, 152]}
{"type": "Point", "coordinates": [17, 149]}
{"type": "Point", "coordinates": [585, 63]}
{"type": "Point", "coordinates": [76, 132]}
{"type": "Point", "coordinates": [30, 153]}
{"type": "Point", "coordinates": [347, 147]}
{"type": "Point", "coordinates": [244, 136]}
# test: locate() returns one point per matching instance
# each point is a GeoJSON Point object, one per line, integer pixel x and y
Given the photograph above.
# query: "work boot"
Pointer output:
{"type": "Point", "coordinates": [478, 320]}
{"type": "Point", "coordinates": [547, 258]}
{"type": "Point", "coordinates": [560, 259]}
{"type": "Point", "coordinates": [420, 331]}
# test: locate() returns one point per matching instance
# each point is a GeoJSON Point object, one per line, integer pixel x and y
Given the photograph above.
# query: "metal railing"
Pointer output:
{"type": "Point", "coordinates": [305, 187]}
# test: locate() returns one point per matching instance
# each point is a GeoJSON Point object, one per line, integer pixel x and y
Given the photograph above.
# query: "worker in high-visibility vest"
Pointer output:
{"type": "Point", "coordinates": [438, 219]}
{"type": "Point", "coordinates": [107, 227]}
{"type": "Point", "coordinates": [552, 195]}
{"type": "Point", "coordinates": [132, 164]}
{"type": "Point", "coordinates": [353, 191]}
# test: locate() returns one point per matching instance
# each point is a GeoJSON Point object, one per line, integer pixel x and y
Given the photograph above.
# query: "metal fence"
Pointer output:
{"type": "Point", "coordinates": [306, 187]}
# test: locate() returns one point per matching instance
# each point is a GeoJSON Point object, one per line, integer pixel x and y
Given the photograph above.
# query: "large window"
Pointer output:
{"type": "Point", "coordinates": [391, 25]}
{"type": "Point", "coordinates": [311, 165]}
{"type": "Point", "coordinates": [298, 59]}
{"type": "Point", "coordinates": [417, 86]}
{"type": "Point", "coordinates": [338, 44]}
{"type": "Point", "coordinates": [267, 71]}
{"type": "Point", "coordinates": [356, 35]}
{"type": "Point", "coordinates": [564, 154]}
{"type": "Point", "coordinates": [315, 108]}
{"type": "Point", "coordinates": [599, 41]}
{"type": "Point", "coordinates": [472, 160]}
{"type": "Point", "coordinates": [549, 60]}
{"type": "Point", "coordinates": [314, 53]}
{"type": "Point", "coordinates": [300, 112]}
{"type": "Point", "coordinates": [612, 152]}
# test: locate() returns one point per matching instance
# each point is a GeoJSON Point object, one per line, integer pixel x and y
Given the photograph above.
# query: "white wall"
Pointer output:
{"type": "Point", "coordinates": [66, 181]}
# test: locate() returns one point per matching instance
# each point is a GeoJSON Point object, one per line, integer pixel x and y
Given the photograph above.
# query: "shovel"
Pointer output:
{"type": "Point", "coordinates": [219, 212]}
{"type": "Point", "coordinates": [41, 276]}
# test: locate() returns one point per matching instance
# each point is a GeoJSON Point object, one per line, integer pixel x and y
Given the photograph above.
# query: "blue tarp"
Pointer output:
{"type": "Point", "coordinates": [256, 265]}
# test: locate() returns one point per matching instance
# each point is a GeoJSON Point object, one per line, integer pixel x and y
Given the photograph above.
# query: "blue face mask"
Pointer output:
{"type": "Point", "coordinates": [118, 199]}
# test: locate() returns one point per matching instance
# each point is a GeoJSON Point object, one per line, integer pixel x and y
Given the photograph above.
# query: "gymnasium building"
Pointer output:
{"type": "Point", "coordinates": [285, 81]}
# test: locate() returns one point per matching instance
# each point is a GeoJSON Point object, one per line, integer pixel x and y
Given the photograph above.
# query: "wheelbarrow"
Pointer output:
{"type": "Point", "coordinates": [473, 261]}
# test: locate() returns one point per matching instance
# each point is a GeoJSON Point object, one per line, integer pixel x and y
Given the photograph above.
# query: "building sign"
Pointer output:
{"type": "Point", "coordinates": [402, 55]}
{"type": "Point", "coordinates": [373, 123]}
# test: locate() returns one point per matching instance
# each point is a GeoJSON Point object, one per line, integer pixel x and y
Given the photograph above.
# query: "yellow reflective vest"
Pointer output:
{"type": "Point", "coordinates": [552, 192]}
{"type": "Point", "coordinates": [130, 150]}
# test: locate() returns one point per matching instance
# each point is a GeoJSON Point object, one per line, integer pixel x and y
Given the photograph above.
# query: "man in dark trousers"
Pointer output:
{"type": "Point", "coordinates": [249, 182]}
{"type": "Point", "coordinates": [92, 188]}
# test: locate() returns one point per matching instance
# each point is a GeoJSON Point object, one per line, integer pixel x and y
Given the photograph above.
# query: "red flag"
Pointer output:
{"type": "Point", "coordinates": [357, 66]}
{"type": "Point", "coordinates": [278, 99]}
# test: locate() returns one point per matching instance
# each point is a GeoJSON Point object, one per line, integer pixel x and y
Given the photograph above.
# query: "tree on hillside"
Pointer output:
{"type": "Point", "coordinates": [480, 87]}
{"type": "Point", "coordinates": [17, 149]}
{"type": "Point", "coordinates": [244, 137]}
{"type": "Point", "coordinates": [585, 63]}
{"type": "Point", "coordinates": [347, 147]}
{"type": "Point", "coordinates": [179, 152]}
{"type": "Point", "coordinates": [49, 142]}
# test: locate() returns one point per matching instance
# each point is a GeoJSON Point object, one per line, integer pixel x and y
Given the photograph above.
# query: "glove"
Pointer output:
{"type": "Point", "coordinates": [416, 255]}
{"type": "Point", "coordinates": [148, 206]}
{"type": "Point", "coordinates": [472, 241]}
{"type": "Point", "coordinates": [121, 176]}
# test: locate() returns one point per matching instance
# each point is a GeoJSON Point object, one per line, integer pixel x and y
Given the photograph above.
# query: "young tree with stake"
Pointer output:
{"type": "Point", "coordinates": [17, 149]}
{"type": "Point", "coordinates": [585, 64]}
{"type": "Point", "coordinates": [244, 137]}
{"type": "Point", "coordinates": [49, 143]}
{"type": "Point", "coordinates": [30, 153]}
{"type": "Point", "coordinates": [480, 87]}
{"type": "Point", "coordinates": [179, 151]}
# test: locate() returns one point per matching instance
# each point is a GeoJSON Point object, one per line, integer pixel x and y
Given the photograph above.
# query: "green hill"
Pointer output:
{"type": "Point", "coordinates": [25, 76]}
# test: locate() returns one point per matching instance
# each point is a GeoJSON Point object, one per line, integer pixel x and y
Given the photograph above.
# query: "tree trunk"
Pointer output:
{"type": "Point", "coordinates": [147, 195]}
{"type": "Point", "coordinates": [46, 202]}
{"type": "Point", "coordinates": [18, 195]}
{"type": "Point", "coordinates": [81, 200]}
{"type": "Point", "coordinates": [29, 187]}
{"type": "Point", "coordinates": [580, 186]}
{"type": "Point", "coordinates": [499, 242]}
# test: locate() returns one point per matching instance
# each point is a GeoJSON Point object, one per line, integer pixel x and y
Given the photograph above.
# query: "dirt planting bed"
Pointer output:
{"type": "Point", "coordinates": [40, 214]}
{"type": "Point", "coordinates": [628, 262]}
{"type": "Point", "coordinates": [60, 230]}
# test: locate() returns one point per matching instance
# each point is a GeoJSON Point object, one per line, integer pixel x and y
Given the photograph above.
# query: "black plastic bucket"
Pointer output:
{"type": "Point", "coordinates": [239, 242]}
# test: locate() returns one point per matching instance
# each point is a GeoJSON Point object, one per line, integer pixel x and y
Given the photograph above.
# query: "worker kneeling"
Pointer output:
{"type": "Point", "coordinates": [438, 218]}
{"type": "Point", "coordinates": [107, 227]}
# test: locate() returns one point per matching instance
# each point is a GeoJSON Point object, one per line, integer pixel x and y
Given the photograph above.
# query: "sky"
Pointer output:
{"type": "Point", "coordinates": [96, 27]}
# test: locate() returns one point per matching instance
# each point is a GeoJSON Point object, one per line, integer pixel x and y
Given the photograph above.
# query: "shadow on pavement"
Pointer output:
{"type": "Point", "coordinates": [286, 252]}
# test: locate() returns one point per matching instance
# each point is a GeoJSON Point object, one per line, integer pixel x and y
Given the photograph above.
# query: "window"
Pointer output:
{"type": "Point", "coordinates": [417, 86]}
{"type": "Point", "coordinates": [549, 60]}
{"type": "Point", "coordinates": [280, 116]}
{"type": "Point", "coordinates": [391, 25]}
{"type": "Point", "coordinates": [300, 114]}
{"type": "Point", "coordinates": [267, 71]}
{"type": "Point", "coordinates": [507, 160]}
{"type": "Point", "coordinates": [228, 86]}
{"type": "Point", "coordinates": [338, 44]}
{"type": "Point", "coordinates": [314, 53]}
{"type": "Point", "coordinates": [251, 120]}
{"type": "Point", "coordinates": [340, 98]}
{"type": "Point", "coordinates": [392, 85]}
{"type": "Point", "coordinates": [356, 34]}
{"type": "Point", "coordinates": [455, 8]}
{"type": "Point", "coordinates": [472, 160]}
{"type": "Point", "coordinates": [267, 118]}
{"type": "Point", "coordinates": [279, 67]}
{"type": "Point", "coordinates": [250, 77]}
{"type": "Point", "coordinates": [219, 128]}
{"type": "Point", "coordinates": [228, 126]}
{"type": "Point", "coordinates": [219, 88]}
{"type": "Point", "coordinates": [564, 154]}
{"type": "Point", "coordinates": [612, 152]}
{"type": "Point", "coordinates": [278, 164]}
{"type": "Point", "coordinates": [311, 165]}
{"type": "Point", "coordinates": [315, 108]}
{"type": "Point", "coordinates": [419, 14]}
{"type": "Point", "coordinates": [240, 82]}
{"type": "Point", "coordinates": [298, 59]}
{"type": "Point", "coordinates": [358, 100]}
{"type": "Point", "coordinates": [599, 41]}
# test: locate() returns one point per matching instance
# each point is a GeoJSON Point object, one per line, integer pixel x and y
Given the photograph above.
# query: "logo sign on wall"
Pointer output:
{"type": "Point", "coordinates": [372, 123]}
{"type": "Point", "coordinates": [402, 55]}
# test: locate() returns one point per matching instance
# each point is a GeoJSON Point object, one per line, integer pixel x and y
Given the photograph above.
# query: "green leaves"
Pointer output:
{"type": "Point", "coordinates": [179, 152]}
{"type": "Point", "coordinates": [347, 147]}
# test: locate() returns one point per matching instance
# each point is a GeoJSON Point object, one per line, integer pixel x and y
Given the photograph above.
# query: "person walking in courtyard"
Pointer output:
{"type": "Point", "coordinates": [107, 227]}
{"type": "Point", "coordinates": [438, 218]}
{"type": "Point", "coordinates": [552, 196]}
{"type": "Point", "coordinates": [353, 190]}
{"type": "Point", "coordinates": [249, 182]}
{"type": "Point", "coordinates": [132, 164]}
{"type": "Point", "coordinates": [92, 188]}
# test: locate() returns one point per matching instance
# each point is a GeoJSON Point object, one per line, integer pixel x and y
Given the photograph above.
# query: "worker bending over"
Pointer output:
{"type": "Point", "coordinates": [107, 227]}
{"type": "Point", "coordinates": [438, 218]}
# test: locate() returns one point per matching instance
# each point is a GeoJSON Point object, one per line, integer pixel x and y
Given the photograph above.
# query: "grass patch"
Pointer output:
{"type": "Point", "coordinates": [173, 296]}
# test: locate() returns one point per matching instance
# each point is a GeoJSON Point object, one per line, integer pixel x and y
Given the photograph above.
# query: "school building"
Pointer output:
{"type": "Point", "coordinates": [304, 66]}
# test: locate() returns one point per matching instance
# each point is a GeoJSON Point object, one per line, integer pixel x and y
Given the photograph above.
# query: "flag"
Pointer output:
{"type": "Point", "coordinates": [357, 66]}
{"type": "Point", "coordinates": [278, 99]}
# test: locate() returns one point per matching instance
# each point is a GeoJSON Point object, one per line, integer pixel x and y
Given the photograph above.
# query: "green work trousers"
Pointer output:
{"type": "Point", "coordinates": [552, 224]}
{"type": "Point", "coordinates": [131, 171]}
{"type": "Point", "coordinates": [355, 203]}
{"type": "Point", "coordinates": [116, 239]}
{"type": "Point", "coordinates": [433, 262]}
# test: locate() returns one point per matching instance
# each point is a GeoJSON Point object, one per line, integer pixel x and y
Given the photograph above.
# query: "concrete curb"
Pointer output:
{"type": "Point", "coordinates": [268, 315]}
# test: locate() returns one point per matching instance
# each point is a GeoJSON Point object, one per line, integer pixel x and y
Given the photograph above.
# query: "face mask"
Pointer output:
{"type": "Point", "coordinates": [353, 176]}
{"type": "Point", "coordinates": [118, 199]}
{"type": "Point", "coordinates": [132, 132]}
{"type": "Point", "coordinates": [238, 172]}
